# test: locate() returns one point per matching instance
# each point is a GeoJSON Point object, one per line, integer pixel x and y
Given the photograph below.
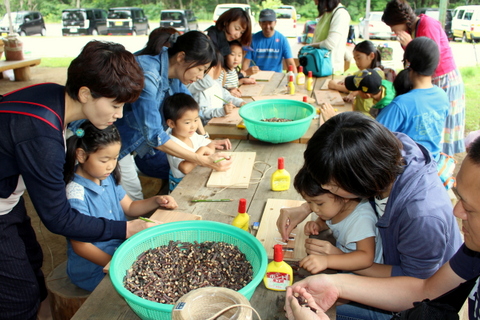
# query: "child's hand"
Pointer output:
{"type": "Point", "coordinates": [247, 81]}
{"type": "Point", "coordinates": [314, 263]}
{"type": "Point", "coordinates": [220, 144]}
{"type": "Point", "coordinates": [166, 202]}
{"type": "Point", "coordinates": [205, 151]}
{"type": "Point", "coordinates": [320, 247]}
{"type": "Point", "coordinates": [350, 97]}
{"type": "Point", "coordinates": [228, 107]}
{"type": "Point", "coordinates": [235, 92]}
{"type": "Point", "coordinates": [243, 103]}
{"type": "Point", "coordinates": [327, 111]}
{"type": "Point", "coordinates": [311, 227]}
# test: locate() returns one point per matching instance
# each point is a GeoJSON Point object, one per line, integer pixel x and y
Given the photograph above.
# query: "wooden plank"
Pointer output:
{"type": "Point", "coordinates": [331, 96]}
{"type": "Point", "coordinates": [238, 176]}
{"type": "Point", "coordinates": [171, 216]}
{"type": "Point", "coordinates": [8, 65]}
{"type": "Point", "coordinates": [269, 235]}
{"type": "Point", "coordinates": [231, 119]}
{"type": "Point", "coordinates": [251, 90]}
{"type": "Point", "coordinates": [296, 97]}
{"type": "Point", "coordinates": [325, 84]}
{"type": "Point", "coordinates": [262, 75]}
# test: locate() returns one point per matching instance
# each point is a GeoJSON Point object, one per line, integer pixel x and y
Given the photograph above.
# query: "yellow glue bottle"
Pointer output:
{"type": "Point", "coordinates": [280, 180]}
{"type": "Point", "coordinates": [300, 76]}
{"type": "Point", "coordinates": [279, 274]}
{"type": "Point", "coordinates": [310, 81]}
{"type": "Point", "coordinates": [291, 85]}
{"type": "Point", "coordinates": [242, 220]}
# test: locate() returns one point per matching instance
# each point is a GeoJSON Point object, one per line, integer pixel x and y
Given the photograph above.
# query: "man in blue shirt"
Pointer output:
{"type": "Point", "coordinates": [269, 46]}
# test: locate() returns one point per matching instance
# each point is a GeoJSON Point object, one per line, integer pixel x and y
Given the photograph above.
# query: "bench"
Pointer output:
{"type": "Point", "coordinates": [21, 68]}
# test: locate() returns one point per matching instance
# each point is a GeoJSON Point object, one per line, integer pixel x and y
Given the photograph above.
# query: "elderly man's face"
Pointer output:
{"type": "Point", "coordinates": [468, 206]}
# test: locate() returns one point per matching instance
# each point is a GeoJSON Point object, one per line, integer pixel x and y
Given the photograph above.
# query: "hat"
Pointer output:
{"type": "Point", "coordinates": [267, 15]}
{"type": "Point", "coordinates": [367, 81]}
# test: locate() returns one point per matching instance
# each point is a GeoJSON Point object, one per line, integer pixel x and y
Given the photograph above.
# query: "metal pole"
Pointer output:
{"type": "Point", "coordinates": [367, 20]}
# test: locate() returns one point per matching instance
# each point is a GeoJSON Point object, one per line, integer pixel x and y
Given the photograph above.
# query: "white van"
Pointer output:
{"type": "Point", "coordinates": [466, 23]}
{"type": "Point", "coordinates": [287, 21]}
{"type": "Point", "coordinates": [221, 8]}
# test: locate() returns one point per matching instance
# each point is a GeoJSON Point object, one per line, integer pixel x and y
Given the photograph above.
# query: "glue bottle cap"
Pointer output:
{"type": "Point", "coordinates": [242, 206]}
{"type": "Point", "coordinates": [278, 253]}
{"type": "Point", "coordinates": [305, 99]}
{"type": "Point", "coordinates": [290, 79]}
{"type": "Point", "coordinates": [281, 163]}
{"type": "Point", "coordinates": [310, 74]}
{"type": "Point", "coordinates": [300, 69]}
{"type": "Point", "coordinates": [290, 67]}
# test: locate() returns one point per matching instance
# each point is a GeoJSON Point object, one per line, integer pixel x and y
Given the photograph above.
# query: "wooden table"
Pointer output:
{"type": "Point", "coordinates": [106, 303]}
{"type": "Point", "coordinates": [276, 86]}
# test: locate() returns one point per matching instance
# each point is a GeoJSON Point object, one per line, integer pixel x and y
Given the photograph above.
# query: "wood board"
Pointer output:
{"type": "Point", "coordinates": [166, 216]}
{"type": "Point", "coordinates": [296, 97]}
{"type": "Point", "coordinates": [262, 75]}
{"type": "Point", "coordinates": [238, 176]}
{"type": "Point", "coordinates": [331, 96]}
{"type": "Point", "coordinates": [250, 90]}
{"type": "Point", "coordinates": [231, 119]}
{"type": "Point", "coordinates": [268, 233]}
{"type": "Point", "coordinates": [325, 84]}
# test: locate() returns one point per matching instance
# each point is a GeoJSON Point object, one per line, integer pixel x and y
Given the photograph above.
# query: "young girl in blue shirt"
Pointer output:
{"type": "Point", "coordinates": [92, 178]}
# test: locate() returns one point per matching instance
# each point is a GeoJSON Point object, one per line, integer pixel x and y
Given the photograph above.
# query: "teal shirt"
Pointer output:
{"type": "Point", "coordinates": [388, 97]}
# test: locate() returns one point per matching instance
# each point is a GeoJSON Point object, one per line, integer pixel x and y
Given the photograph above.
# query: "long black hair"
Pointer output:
{"type": "Point", "coordinates": [90, 139]}
{"type": "Point", "coordinates": [368, 47]}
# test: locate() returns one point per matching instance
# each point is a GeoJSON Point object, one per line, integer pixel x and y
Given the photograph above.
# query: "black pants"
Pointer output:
{"type": "Point", "coordinates": [22, 284]}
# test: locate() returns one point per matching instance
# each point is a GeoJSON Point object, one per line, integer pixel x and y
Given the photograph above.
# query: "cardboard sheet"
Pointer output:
{"type": "Point", "coordinates": [262, 75]}
{"type": "Point", "coordinates": [250, 90]}
{"type": "Point", "coordinates": [269, 235]}
{"type": "Point", "coordinates": [331, 96]}
{"type": "Point", "coordinates": [231, 119]}
{"type": "Point", "coordinates": [238, 176]}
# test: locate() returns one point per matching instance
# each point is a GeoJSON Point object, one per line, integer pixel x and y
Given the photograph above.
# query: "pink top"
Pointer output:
{"type": "Point", "coordinates": [431, 28]}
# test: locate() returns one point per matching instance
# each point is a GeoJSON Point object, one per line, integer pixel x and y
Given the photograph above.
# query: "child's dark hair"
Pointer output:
{"type": "Point", "coordinates": [399, 12]}
{"type": "Point", "coordinates": [90, 139]}
{"type": "Point", "coordinates": [368, 47]}
{"type": "Point", "coordinates": [232, 44]}
{"type": "Point", "coordinates": [423, 55]}
{"type": "Point", "coordinates": [176, 105]}
{"type": "Point", "coordinates": [305, 184]}
{"type": "Point", "coordinates": [402, 83]}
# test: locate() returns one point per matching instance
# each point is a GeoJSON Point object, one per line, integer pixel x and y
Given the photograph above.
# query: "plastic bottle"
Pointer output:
{"type": "Point", "coordinates": [242, 220]}
{"type": "Point", "coordinates": [279, 274]}
{"type": "Point", "coordinates": [310, 81]}
{"type": "Point", "coordinates": [300, 76]}
{"type": "Point", "coordinates": [290, 71]}
{"type": "Point", "coordinates": [291, 85]}
{"type": "Point", "coordinates": [280, 180]}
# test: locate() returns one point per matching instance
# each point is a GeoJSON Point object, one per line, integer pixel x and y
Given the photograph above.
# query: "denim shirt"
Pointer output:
{"type": "Point", "coordinates": [142, 126]}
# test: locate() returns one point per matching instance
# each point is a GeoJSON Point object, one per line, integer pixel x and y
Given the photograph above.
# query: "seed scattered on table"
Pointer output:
{"type": "Point", "coordinates": [303, 302]}
{"type": "Point", "coordinates": [274, 119]}
{"type": "Point", "coordinates": [166, 273]}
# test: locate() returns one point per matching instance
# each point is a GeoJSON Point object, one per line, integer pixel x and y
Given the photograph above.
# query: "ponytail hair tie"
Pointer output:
{"type": "Point", "coordinates": [80, 132]}
{"type": "Point", "coordinates": [173, 38]}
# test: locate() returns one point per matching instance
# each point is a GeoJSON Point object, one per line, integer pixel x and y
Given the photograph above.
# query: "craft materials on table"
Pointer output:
{"type": "Point", "coordinates": [279, 273]}
{"type": "Point", "coordinates": [262, 75]}
{"type": "Point", "coordinates": [251, 90]}
{"type": "Point", "coordinates": [231, 119]}
{"type": "Point", "coordinates": [297, 97]}
{"type": "Point", "coordinates": [238, 176]}
{"type": "Point", "coordinates": [280, 180]}
{"type": "Point", "coordinates": [325, 84]}
{"type": "Point", "coordinates": [211, 200]}
{"type": "Point", "coordinates": [331, 96]}
{"type": "Point", "coordinates": [268, 235]}
{"type": "Point", "coordinates": [242, 220]}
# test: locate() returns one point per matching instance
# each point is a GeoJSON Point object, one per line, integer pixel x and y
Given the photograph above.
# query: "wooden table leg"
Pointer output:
{"type": "Point", "coordinates": [22, 74]}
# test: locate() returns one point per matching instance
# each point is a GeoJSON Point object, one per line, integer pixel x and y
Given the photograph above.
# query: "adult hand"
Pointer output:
{"type": "Point", "coordinates": [404, 38]}
{"type": "Point", "coordinates": [327, 111]}
{"type": "Point", "coordinates": [138, 225]}
{"type": "Point", "coordinates": [167, 202]}
{"type": "Point", "coordinates": [290, 217]}
{"type": "Point", "coordinates": [322, 247]}
{"type": "Point", "coordinates": [314, 263]}
{"type": "Point", "coordinates": [228, 107]}
{"type": "Point", "coordinates": [224, 144]}
{"type": "Point", "coordinates": [321, 291]}
{"type": "Point", "coordinates": [311, 227]}
{"type": "Point", "coordinates": [222, 165]}
{"type": "Point", "coordinates": [294, 311]}
{"type": "Point", "coordinates": [252, 70]}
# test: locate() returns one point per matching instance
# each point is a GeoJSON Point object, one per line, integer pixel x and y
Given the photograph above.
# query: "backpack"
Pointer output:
{"type": "Point", "coordinates": [317, 60]}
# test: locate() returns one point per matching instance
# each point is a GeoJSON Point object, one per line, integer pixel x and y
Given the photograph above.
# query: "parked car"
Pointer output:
{"type": "Point", "coordinates": [377, 29]}
{"type": "Point", "coordinates": [182, 20]}
{"type": "Point", "coordinates": [287, 20]}
{"type": "Point", "coordinates": [84, 22]}
{"type": "Point", "coordinates": [127, 21]}
{"type": "Point", "coordinates": [221, 8]}
{"type": "Point", "coordinates": [25, 23]}
{"type": "Point", "coordinates": [435, 13]}
{"type": "Point", "coordinates": [466, 23]}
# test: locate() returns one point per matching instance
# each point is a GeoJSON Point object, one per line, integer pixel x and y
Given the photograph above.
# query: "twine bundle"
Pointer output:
{"type": "Point", "coordinates": [213, 303]}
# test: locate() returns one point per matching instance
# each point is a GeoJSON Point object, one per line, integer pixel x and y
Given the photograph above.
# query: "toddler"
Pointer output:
{"type": "Point", "coordinates": [93, 189]}
{"type": "Point", "coordinates": [229, 77]}
{"type": "Point", "coordinates": [182, 115]}
{"type": "Point", "coordinates": [352, 221]}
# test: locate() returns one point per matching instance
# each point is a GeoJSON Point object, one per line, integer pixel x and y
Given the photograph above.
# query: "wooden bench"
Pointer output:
{"type": "Point", "coordinates": [21, 68]}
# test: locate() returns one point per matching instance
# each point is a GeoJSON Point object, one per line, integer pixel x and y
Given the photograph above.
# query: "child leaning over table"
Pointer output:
{"type": "Point", "coordinates": [216, 101]}
{"type": "Point", "coordinates": [181, 113]}
{"type": "Point", "coordinates": [352, 221]}
{"type": "Point", "coordinates": [93, 189]}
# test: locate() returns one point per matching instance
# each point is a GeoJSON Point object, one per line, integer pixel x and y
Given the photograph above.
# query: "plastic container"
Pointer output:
{"type": "Point", "coordinates": [13, 48]}
{"type": "Point", "coordinates": [310, 81]}
{"type": "Point", "coordinates": [277, 132]}
{"type": "Point", "coordinates": [291, 85]}
{"type": "Point", "coordinates": [290, 71]}
{"type": "Point", "coordinates": [280, 180]}
{"type": "Point", "coordinates": [279, 273]}
{"type": "Point", "coordinates": [190, 231]}
{"type": "Point", "coordinates": [300, 76]}
{"type": "Point", "coordinates": [242, 220]}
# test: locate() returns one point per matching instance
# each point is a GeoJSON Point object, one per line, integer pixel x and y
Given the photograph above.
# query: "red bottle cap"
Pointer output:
{"type": "Point", "coordinates": [290, 79]}
{"type": "Point", "coordinates": [281, 163]}
{"type": "Point", "coordinates": [278, 253]}
{"type": "Point", "coordinates": [300, 69]}
{"type": "Point", "coordinates": [310, 74]}
{"type": "Point", "coordinates": [305, 99]}
{"type": "Point", "coordinates": [290, 67]}
{"type": "Point", "coordinates": [242, 206]}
